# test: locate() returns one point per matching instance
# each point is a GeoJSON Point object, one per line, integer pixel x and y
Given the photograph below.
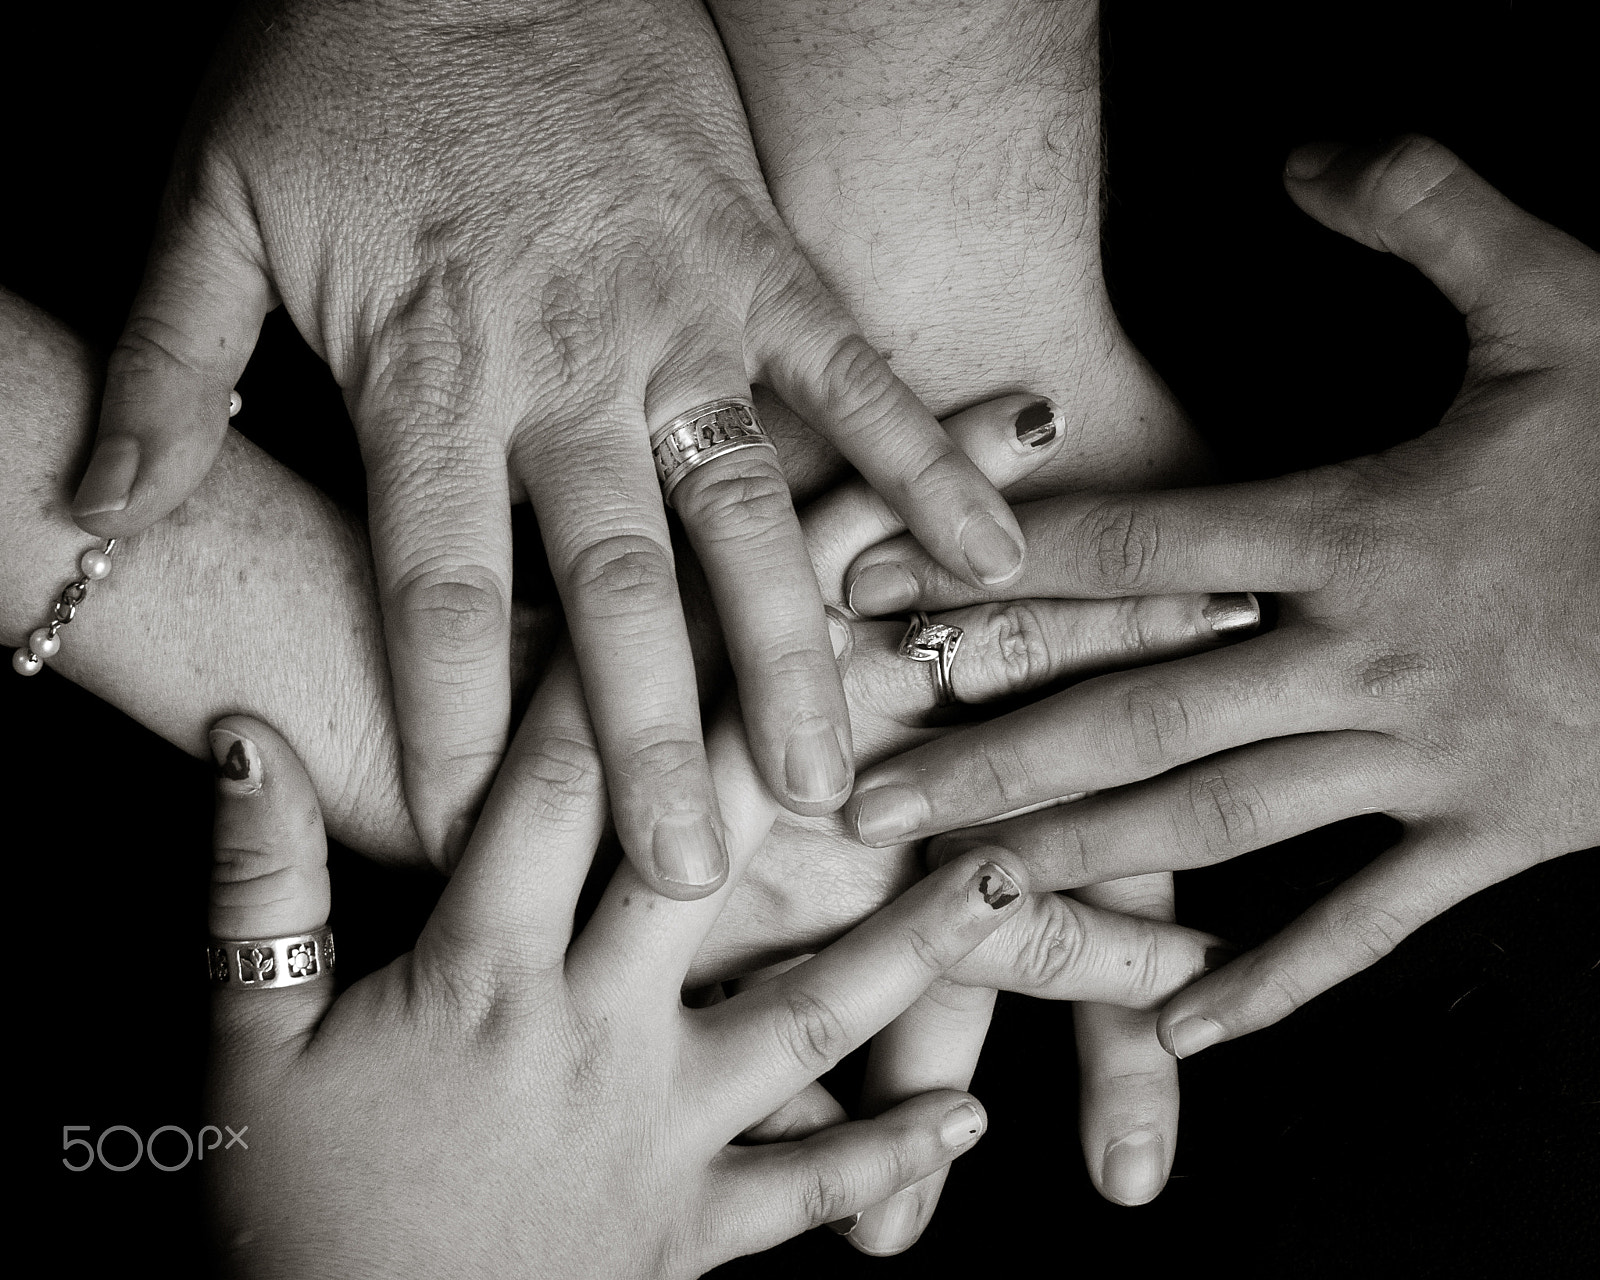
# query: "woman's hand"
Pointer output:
{"type": "Point", "coordinates": [1437, 655]}
{"type": "Point", "coordinates": [511, 1099]}
{"type": "Point", "coordinates": [523, 236]}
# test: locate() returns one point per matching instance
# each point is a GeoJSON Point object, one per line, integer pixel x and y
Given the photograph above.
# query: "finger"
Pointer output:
{"type": "Point", "coordinates": [269, 880]}
{"type": "Point", "coordinates": [741, 523]}
{"type": "Point", "coordinates": [1108, 732]}
{"type": "Point", "coordinates": [594, 487]}
{"type": "Point", "coordinates": [1022, 645]}
{"type": "Point", "coordinates": [508, 909]}
{"type": "Point", "coordinates": [1059, 948]}
{"type": "Point", "coordinates": [932, 1045]}
{"type": "Point", "coordinates": [1128, 1096]}
{"type": "Point", "coordinates": [1415, 198]}
{"type": "Point", "coordinates": [813, 355]}
{"type": "Point", "coordinates": [1007, 439]}
{"type": "Point", "coordinates": [193, 325]}
{"type": "Point", "coordinates": [767, 1194]}
{"type": "Point", "coordinates": [809, 1111]}
{"type": "Point", "coordinates": [1205, 813]}
{"type": "Point", "coordinates": [1356, 925]}
{"type": "Point", "coordinates": [764, 1045]}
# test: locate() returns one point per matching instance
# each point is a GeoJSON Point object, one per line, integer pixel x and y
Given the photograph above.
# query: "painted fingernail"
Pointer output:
{"type": "Point", "coordinates": [838, 632]}
{"type": "Point", "coordinates": [889, 813]}
{"type": "Point", "coordinates": [1233, 614]}
{"type": "Point", "coordinates": [110, 477]}
{"type": "Point", "coordinates": [992, 554]}
{"type": "Point", "coordinates": [1313, 160]}
{"type": "Point", "coordinates": [813, 764]}
{"type": "Point", "coordinates": [1217, 956]}
{"type": "Point", "coordinates": [238, 763]}
{"type": "Point", "coordinates": [687, 851]}
{"type": "Point", "coordinates": [1038, 425]}
{"type": "Point", "coordinates": [994, 886]}
{"type": "Point", "coordinates": [964, 1124]}
{"type": "Point", "coordinates": [882, 588]}
{"type": "Point", "coordinates": [890, 1227]}
{"type": "Point", "coordinates": [1192, 1034]}
{"type": "Point", "coordinates": [1134, 1168]}
{"type": "Point", "coordinates": [844, 1226]}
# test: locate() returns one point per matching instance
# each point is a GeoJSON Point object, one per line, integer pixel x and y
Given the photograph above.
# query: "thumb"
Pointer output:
{"type": "Point", "coordinates": [270, 955]}
{"type": "Point", "coordinates": [1416, 199]}
{"type": "Point", "coordinates": [193, 326]}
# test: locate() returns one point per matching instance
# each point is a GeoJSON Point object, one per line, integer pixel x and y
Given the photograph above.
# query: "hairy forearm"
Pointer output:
{"type": "Point", "coordinates": [253, 596]}
{"type": "Point", "coordinates": [941, 165]}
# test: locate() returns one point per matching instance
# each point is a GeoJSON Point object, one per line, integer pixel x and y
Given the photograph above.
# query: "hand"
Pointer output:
{"type": "Point", "coordinates": [521, 240]}
{"type": "Point", "coordinates": [567, 1066]}
{"type": "Point", "coordinates": [1437, 655]}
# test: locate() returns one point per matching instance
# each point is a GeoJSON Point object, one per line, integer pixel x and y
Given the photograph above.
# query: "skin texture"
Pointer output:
{"type": "Point", "coordinates": [1435, 656]}
{"type": "Point", "coordinates": [523, 237]}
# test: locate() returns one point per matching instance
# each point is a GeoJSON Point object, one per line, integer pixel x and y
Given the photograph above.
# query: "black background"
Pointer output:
{"type": "Point", "coordinates": [1439, 1115]}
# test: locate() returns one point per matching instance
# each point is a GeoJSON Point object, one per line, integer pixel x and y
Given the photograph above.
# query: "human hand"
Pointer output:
{"type": "Point", "coordinates": [567, 1066]}
{"type": "Point", "coordinates": [521, 239]}
{"type": "Point", "coordinates": [1437, 654]}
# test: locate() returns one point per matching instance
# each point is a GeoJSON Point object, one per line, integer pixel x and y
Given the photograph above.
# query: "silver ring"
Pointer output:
{"type": "Point", "coordinates": [266, 964]}
{"type": "Point", "coordinates": [708, 431]}
{"type": "Point", "coordinates": [934, 642]}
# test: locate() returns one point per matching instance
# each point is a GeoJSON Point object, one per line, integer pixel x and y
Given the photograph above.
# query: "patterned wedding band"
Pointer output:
{"type": "Point", "coordinates": [265, 964]}
{"type": "Point", "coordinates": [934, 642]}
{"type": "Point", "coordinates": [710, 431]}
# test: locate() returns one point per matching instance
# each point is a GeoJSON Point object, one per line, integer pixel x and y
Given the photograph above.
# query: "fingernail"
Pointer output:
{"type": "Point", "coordinates": [1133, 1168]}
{"type": "Point", "coordinates": [881, 588]}
{"type": "Point", "coordinates": [813, 764]}
{"type": "Point", "coordinates": [1218, 956]}
{"type": "Point", "coordinates": [110, 477]}
{"type": "Point", "coordinates": [838, 632]}
{"type": "Point", "coordinates": [844, 1226]}
{"type": "Point", "coordinates": [687, 851]}
{"type": "Point", "coordinates": [1313, 160]}
{"type": "Point", "coordinates": [992, 554]}
{"type": "Point", "coordinates": [889, 813]}
{"type": "Point", "coordinates": [964, 1124]}
{"type": "Point", "coordinates": [1192, 1034]}
{"type": "Point", "coordinates": [889, 1227]}
{"type": "Point", "coordinates": [996, 889]}
{"type": "Point", "coordinates": [1233, 614]}
{"type": "Point", "coordinates": [1038, 424]}
{"type": "Point", "coordinates": [238, 763]}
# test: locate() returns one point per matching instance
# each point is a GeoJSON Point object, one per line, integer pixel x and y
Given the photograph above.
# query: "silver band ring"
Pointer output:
{"type": "Point", "coordinates": [708, 431]}
{"type": "Point", "coordinates": [266, 964]}
{"type": "Point", "coordinates": [934, 642]}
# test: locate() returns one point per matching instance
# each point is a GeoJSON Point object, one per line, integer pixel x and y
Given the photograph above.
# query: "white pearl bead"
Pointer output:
{"type": "Point", "coordinates": [235, 403]}
{"type": "Point", "coordinates": [25, 664]}
{"type": "Point", "coordinates": [95, 565]}
{"type": "Point", "coordinates": [44, 644]}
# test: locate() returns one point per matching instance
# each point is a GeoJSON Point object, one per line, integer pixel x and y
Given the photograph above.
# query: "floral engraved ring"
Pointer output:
{"type": "Point", "coordinates": [265, 964]}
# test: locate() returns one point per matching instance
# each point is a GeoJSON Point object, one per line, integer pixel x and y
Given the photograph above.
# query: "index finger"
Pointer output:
{"type": "Point", "coordinates": [1273, 535]}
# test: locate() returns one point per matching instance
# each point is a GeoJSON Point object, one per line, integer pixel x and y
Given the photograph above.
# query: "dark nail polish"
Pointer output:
{"type": "Point", "coordinates": [1038, 424]}
{"type": "Point", "coordinates": [238, 762]}
{"type": "Point", "coordinates": [1218, 956]}
{"type": "Point", "coordinates": [882, 588]}
{"type": "Point", "coordinates": [889, 813]}
{"type": "Point", "coordinates": [687, 851]}
{"type": "Point", "coordinates": [995, 887]}
{"type": "Point", "coordinates": [109, 480]}
{"type": "Point", "coordinates": [1232, 614]}
{"type": "Point", "coordinates": [992, 554]}
{"type": "Point", "coordinates": [813, 765]}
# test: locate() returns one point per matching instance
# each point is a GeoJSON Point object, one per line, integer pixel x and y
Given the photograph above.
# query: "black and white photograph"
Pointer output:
{"type": "Point", "coordinates": [803, 639]}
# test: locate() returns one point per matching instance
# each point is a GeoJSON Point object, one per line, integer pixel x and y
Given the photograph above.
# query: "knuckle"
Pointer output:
{"type": "Point", "coordinates": [1365, 932]}
{"type": "Point", "coordinates": [558, 777]}
{"type": "Point", "coordinates": [1122, 539]}
{"type": "Point", "coordinates": [1052, 951]}
{"type": "Point", "coordinates": [1018, 642]}
{"type": "Point", "coordinates": [811, 1031]}
{"type": "Point", "coordinates": [826, 1194]}
{"type": "Point", "coordinates": [728, 505]}
{"type": "Point", "coordinates": [1011, 776]}
{"type": "Point", "coordinates": [622, 571]}
{"type": "Point", "coordinates": [151, 345]}
{"type": "Point", "coordinates": [1409, 173]}
{"type": "Point", "coordinates": [1396, 676]}
{"type": "Point", "coordinates": [453, 608]}
{"type": "Point", "coordinates": [1227, 813]}
{"type": "Point", "coordinates": [1156, 722]}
